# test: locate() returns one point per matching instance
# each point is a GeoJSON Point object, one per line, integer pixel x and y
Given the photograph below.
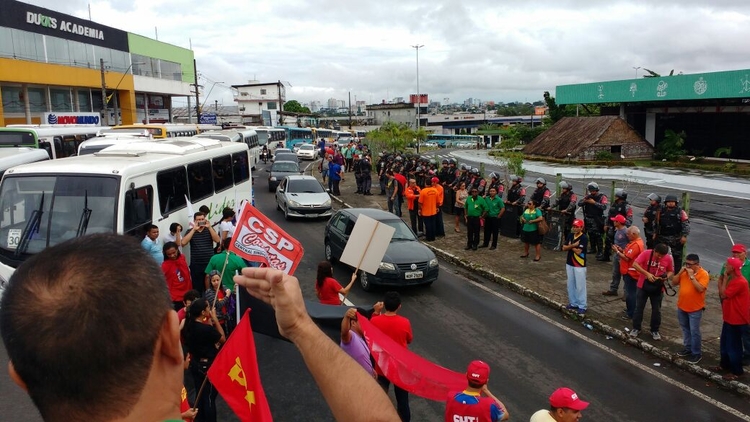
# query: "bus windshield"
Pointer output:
{"type": "Point", "coordinates": [59, 204]}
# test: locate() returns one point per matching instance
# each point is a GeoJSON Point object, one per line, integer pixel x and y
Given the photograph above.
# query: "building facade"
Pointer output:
{"type": "Point", "coordinates": [259, 103]}
{"type": "Point", "coordinates": [58, 68]}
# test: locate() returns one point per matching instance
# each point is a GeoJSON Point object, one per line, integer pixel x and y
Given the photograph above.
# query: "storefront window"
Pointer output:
{"type": "Point", "coordinates": [12, 99]}
{"type": "Point", "coordinates": [60, 99]}
{"type": "Point", "coordinates": [38, 100]}
{"type": "Point", "coordinates": [27, 45]}
{"type": "Point", "coordinates": [84, 100]}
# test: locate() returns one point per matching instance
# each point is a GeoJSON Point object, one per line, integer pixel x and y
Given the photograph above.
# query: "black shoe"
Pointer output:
{"type": "Point", "coordinates": [482, 246]}
{"type": "Point", "coordinates": [467, 248]}
{"type": "Point", "coordinates": [474, 248]}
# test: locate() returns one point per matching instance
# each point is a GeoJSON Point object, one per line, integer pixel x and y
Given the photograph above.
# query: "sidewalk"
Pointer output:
{"type": "Point", "coordinates": [545, 282]}
{"type": "Point", "coordinates": [671, 179]}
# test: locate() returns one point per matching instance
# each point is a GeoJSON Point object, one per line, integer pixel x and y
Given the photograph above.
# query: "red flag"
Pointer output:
{"type": "Point", "coordinates": [184, 405]}
{"type": "Point", "coordinates": [407, 369]}
{"type": "Point", "coordinates": [235, 375]}
{"type": "Point", "coordinates": [259, 239]}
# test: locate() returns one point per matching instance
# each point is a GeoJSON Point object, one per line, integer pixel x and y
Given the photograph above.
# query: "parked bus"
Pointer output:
{"type": "Point", "coordinates": [58, 141]}
{"type": "Point", "coordinates": [167, 130]}
{"type": "Point", "coordinates": [122, 189]}
{"type": "Point", "coordinates": [297, 135]}
{"type": "Point", "coordinates": [322, 133]}
{"type": "Point", "coordinates": [450, 141]}
{"type": "Point", "coordinates": [12, 156]}
{"type": "Point", "coordinates": [108, 137]}
{"type": "Point", "coordinates": [244, 134]}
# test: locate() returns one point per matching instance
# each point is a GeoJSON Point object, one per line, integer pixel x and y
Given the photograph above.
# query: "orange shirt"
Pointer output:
{"type": "Point", "coordinates": [690, 299]}
{"type": "Point", "coordinates": [411, 193]}
{"type": "Point", "coordinates": [632, 250]}
{"type": "Point", "coordinates": [439, 188]}
{"type": "Point", "coordinates": [428, 200]}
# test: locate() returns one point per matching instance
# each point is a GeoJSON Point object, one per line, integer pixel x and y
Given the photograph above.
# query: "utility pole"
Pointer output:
{"type": "Point", "coordinates": [419, 98]}
{"type": "Point", "coordinates": [197, 94]}
{"type": "Point", "coordinates": [281, 105]}
{"type": "Point", "coordinates": [104, 94]}
{"type": "Point", "coordinates": [350, 110]}
{"type": "Point", "coordinates": [216, 106]}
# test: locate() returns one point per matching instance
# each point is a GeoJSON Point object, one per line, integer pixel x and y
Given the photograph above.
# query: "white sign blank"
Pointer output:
{"type": "Point", "coordinates": [367, 244]}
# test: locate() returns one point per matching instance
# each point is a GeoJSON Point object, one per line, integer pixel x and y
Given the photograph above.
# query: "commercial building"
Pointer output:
{"type": "Point", "coordinates": [56, 68]}
{"type": "Point", "coordinates": [260, 102]}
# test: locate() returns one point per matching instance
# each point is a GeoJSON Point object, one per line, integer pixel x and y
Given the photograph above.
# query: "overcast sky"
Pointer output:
{"type": "Point", "coordinates": [492, 50]}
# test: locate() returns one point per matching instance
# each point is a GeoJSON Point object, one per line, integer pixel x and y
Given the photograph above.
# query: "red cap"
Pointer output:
{"type": "Point", "coordinates": [735, 263]}
{"type": "Point", "coordinates": [567, 398]}
{"type": "Point", "coordinates": [435, 180]}
{"type": "Point", "coordinates": [478, 371]}
{"type": "Point", "coordinates": [618, 219]}
{"type": "Point", "coordinates": [577, 223]}
{"type": "Point", "coordinates": [739, 248]}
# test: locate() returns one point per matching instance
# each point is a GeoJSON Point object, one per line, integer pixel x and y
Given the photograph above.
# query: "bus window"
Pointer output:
{"type": "Point", "coordinates": [171, 186]}
{"type": "Point", "coordinates": [47, 147]}
{"type": "Point", "coordinates": [200, 180]}
{"type": "Point", "coordinates": [240, 167]}
{"type": "Point", "coordinates": [222, 167]}
{"type": "Point", "coordinates": [137, 208]}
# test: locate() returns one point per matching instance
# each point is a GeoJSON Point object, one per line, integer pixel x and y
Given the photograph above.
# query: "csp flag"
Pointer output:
{"type": "Point", "coordinates": [235, 375]}
{"type": "Point", "coordinates": [407, 369]}
{"type": "Point", "coordinates": [259, 239]}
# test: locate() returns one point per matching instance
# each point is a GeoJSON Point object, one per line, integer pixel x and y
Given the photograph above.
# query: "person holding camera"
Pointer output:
{"type": "Point", "coordinates": [201, 239]}
{"type": "Point", "coordinates": [691, 302]}
{"type": "Point", "coordinates": [655, 266]}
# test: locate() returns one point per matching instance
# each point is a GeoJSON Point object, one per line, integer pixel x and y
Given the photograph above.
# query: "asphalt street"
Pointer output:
{"type": "Point", "coordinates": [531, 349]}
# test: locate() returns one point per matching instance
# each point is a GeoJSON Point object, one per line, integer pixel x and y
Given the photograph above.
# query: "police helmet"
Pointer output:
{"type": "Point", "coordinates": [475, 171]}
{"type": "Point", "coordinates": [419, 169]}
{"type": "Point", "coordinates": [565, 185]}
{"type": "Point", "coordinates": [621, 193]}
{"type": "Point", "coordinates": [433, 161]}
{"type": "Point", "coordinates": [654, 197]}
{"type": "Point", "coordinates": [541, 180]}
{"type": "Point", "coordinates": [494, 175]}
{"type": "Point", "coordinates": [452, 161]}
{"type": "Point", "coordinates": [445, 161]}
{"type": "Point", "coordinates": [670, 198]}
{"type": "Point", "coordinates": [515, 178]}
{"type": "Point", "coordinates": [399, 159]}
{"type": "Point", "coordinates": [593, 186]}
{"type": "Point", "coordinates": [464, 167]}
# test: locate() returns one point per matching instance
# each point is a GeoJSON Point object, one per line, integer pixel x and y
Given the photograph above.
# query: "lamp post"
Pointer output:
{"type": "Point", "coordinates": [106, 98]}
{"type": "Point", "coordinates": [636, 71]}
{"type": "Point", "coordinates": [419, 99]}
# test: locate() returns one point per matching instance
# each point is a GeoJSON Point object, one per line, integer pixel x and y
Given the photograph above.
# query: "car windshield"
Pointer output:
{"type": "Point", "coordinates": [57, 203]}
{"type": "Point", "coordinates": [279, 151]}
{"type": "Point", "coordinates": [403, 232]}
{"type": "Point", "coordinates": [307, 146]}
{"type": "Point", "coordinates": [305, 186]}
{"type": "Point", "coordinates": [286, 157]}
{"type": "Point", "coordinates": [285, 166]}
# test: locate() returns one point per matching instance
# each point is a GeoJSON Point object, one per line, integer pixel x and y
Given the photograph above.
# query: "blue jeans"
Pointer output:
{"type": "Point", "coordinates": [731, 348]}
{"type": "Point", "coordinates": [746, 342]}
{"type": "Point", "coordinates": [690, 322]}
{"type": "Point", "coordinates": [630, 285]}
{"type": "Point", "coordinates": [640, 304]}
{"type": "Point", "coordinates": [615, 284]}
{"type": "Point", "coordinates": [402, 398]}
{"type": "Point", "coordinates": [576, 286]}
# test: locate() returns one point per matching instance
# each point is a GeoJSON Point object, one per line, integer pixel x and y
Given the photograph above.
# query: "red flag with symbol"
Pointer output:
{"type": "Point", "coordinates": [259, 239]}
{"type": "Point", "coordinates": [235, 375]}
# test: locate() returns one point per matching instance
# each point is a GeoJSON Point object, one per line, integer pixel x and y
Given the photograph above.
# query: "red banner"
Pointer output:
{"type": "Point", "coordinates": [259, 239]}
{"type": "Point", "coordinates": [235, 375]}
{"type": "Point", "coordinates": [407, 369]}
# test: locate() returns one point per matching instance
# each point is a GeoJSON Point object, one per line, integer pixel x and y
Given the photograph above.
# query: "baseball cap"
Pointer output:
{"type": "Point", "coordinates": [739, 248]}
{"type": "Point", "coordinates": [567, 398]}
{"type": "Point", "coordinates": [618, 219]}
{"type": "Point", "coordinates": [734, 263]}
{"type": "Point", "coordinates": [577, 223]}
{"type": "Point", "coordinates": [435, 180]}
{"type": "Point", "coordinates": [478, 371]}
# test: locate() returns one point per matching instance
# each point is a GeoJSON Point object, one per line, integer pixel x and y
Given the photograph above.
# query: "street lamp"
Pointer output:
{"type": "Point", "coordinates": [419, 99]}
{"type": "Point", "coordinates": [636, 71]}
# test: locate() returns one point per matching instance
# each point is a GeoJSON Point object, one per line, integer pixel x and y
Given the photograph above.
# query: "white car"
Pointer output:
{"type": "Point", "coordinates": [307, 152]}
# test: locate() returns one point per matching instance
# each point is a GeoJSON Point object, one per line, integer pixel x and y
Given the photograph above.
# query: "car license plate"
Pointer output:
{"type": "Point", "coordinates": [413, 274]}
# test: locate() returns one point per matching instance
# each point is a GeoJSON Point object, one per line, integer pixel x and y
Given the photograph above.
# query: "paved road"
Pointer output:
{"type": "Point", "coordinates": [530, 348]}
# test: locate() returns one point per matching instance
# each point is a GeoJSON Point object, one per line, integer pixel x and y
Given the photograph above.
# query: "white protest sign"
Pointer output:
{"type": "Point", "coordinates": [367, 244]}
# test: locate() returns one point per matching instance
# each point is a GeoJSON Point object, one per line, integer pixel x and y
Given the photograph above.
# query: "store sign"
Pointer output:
{"type": "Point", "coordinates": [31, 18]}
{"type": "Point", "coordinates": [91, 119]}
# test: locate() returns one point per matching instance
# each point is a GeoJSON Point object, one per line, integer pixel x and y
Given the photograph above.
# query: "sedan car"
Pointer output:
{"type": "Point", "coordinates": [307, 152]}
{"type": "Point", "coordinates": [286, 156]}
{"type": "Point", "coordinates": [406, 262]}
{"type": "Point", "coordinates": [279, 170]}
{"type": "Point", "coordinates": [302, 196]}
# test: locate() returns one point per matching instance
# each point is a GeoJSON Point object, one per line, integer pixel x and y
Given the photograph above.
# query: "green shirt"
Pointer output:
{"type": "Point", "coordinates": [475, 207]}
{"type": "Point", "coordinates": [528, 216]}
{"type": "Point", "coordinates": [494, 206]}
{"type": "Point", "coordinates": [235, 263]}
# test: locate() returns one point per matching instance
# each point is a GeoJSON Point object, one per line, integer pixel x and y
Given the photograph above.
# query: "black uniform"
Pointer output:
{"type": "Point", "coordinates": [671, 225]}
{"type": "Point", "coordinates": [516, 198]}
{"type": "Point", "coordinates": [593, 218]}
{"type": "Point", "coordinates": [567, 203]}
{"type": "Point", "coordinates": [649, 226]}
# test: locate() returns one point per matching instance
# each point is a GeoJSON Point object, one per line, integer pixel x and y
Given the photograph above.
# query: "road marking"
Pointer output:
{"type": "Point", "coordinates": [617, 354]}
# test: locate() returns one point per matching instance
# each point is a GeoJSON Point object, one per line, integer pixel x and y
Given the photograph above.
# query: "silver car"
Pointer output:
{"type": "Point", "coordinates": [302, 196]}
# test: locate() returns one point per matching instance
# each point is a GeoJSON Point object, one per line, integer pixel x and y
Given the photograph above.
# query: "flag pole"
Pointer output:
{"type": "Point", "coordinates": [729, 234]}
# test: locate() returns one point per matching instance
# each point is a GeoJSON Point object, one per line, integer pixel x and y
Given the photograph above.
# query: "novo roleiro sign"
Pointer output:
{"type": "Point", "coordinates": [31, 18]}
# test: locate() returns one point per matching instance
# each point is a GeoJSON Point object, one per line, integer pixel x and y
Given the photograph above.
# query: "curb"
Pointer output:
{"type": "Point", "coordinates": [736, 386]}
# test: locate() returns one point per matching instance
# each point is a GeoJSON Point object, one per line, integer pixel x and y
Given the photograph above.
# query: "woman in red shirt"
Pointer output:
{"type": "Point", "coordinates": [177, 273]}
{"type": "Point", "coordinates": [327, 288]}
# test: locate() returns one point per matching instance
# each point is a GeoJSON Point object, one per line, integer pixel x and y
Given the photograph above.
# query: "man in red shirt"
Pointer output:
{"type": "Point", "coordinates": [398, 328]}
{"type": "Point", "coordinates": [630, 276]}
{"type": "Point", "coordinates": [735, 309]}
{"type": "Point", "coordinates": [470, 405]}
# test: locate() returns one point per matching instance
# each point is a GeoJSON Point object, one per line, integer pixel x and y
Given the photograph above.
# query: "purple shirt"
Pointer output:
{"type": "Point", "coordinates": [357, 349]}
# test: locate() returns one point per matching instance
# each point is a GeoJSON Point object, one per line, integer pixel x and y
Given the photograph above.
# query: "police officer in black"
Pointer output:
{"type": "Point", "coordinates": [541, 194]}
{"type": "Point", "coordinates": [497, 183]}
{"type": "Point", "coordinates": [649, 219]}
{"type": "Point", "coordinates": [446, 176]}
{"type": "Point", "coordinates": [593, 206]}
{"type": "Point", "coordinates": [515, 199]}
{"type": "Point", "coordinates": [672, 228]}
{"type": "Point", "coordinates": [619, 207]}
{"type": "Point", "coordinates": [566, 203]}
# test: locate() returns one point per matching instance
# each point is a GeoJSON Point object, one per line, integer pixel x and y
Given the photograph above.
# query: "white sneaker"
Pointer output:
{"type": "Point", "coordinates": [634, 333]}
{"type": "Point", "coordinates": [655, 335]}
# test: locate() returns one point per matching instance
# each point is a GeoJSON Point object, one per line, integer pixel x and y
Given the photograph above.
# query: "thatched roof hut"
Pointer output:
{"type": "Point", "coordinates": [582, 138]}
